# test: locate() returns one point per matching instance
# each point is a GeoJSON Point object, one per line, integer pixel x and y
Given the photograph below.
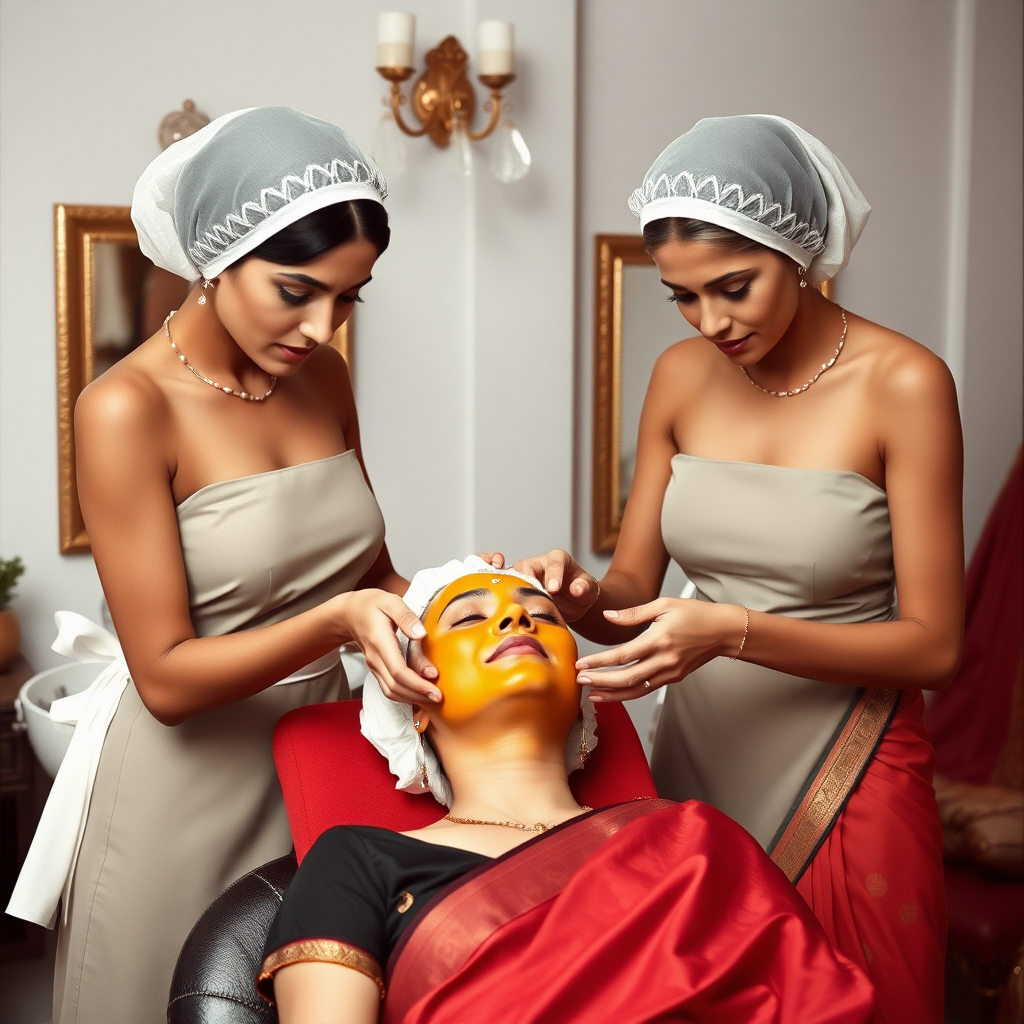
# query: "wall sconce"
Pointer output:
{"type": "Point", "coordinates": [443, 98]}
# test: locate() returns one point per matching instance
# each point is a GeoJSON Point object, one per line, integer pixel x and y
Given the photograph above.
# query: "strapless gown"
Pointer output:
{"type": "Point", "coordinates": [178, 813]}
{"type": "Point", "coordinates": [817, 545]}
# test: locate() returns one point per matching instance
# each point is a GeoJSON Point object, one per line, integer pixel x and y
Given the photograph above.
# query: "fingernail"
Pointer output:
{"type": "Point", "coordinates": [418, 632]}
{"type": "Point", "coordinates": [595, 700]}
{"type": "Point", "coordinates": [435, 696]}
{"type": "Point", "coordinates": [553, 583]}
{"type": "Point", "coordinates": [611, 614]}
{"type": "Point", "coordinates": [430, 672]}
{"type": "Point", "coordinates": [584, 680]}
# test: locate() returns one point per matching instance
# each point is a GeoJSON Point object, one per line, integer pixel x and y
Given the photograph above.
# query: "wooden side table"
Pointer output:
{"type": "Point", "coordinates": [23, 788]}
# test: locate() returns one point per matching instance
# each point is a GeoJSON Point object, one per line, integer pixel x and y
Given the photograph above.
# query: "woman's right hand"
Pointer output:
{"type": "Point", "coordinates": [573, 588]}
{"type": "Point", "coordinates": [370, 618]}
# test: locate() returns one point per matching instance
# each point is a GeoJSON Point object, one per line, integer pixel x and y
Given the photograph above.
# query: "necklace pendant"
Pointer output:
{"type": "Point", "coordinates": [540, 827]}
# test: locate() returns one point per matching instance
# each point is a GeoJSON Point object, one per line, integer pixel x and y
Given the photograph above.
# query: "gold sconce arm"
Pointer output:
{"type": "Point", "coordinates": [396, 76]}
{"type": "Point", "coordinates": [495, 83]}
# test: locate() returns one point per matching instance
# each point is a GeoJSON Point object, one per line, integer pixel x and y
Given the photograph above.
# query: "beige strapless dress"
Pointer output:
{"type": "Point", "coordinates": [807, 543]}
{"type": "Point", "coordinates": [178, 813]}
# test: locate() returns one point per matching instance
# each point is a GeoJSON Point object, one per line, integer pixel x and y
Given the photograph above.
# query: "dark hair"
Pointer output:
{"type": "Point", "coordinates": [322, 230]}
{"type": "Point", "coordinates": [685, 229]}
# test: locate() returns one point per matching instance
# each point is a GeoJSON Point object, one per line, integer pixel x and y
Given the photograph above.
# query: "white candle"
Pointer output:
{"type": "Point", "coordinates": [494, 48]}
{"type": "Point", "coordinates": [395, 34]}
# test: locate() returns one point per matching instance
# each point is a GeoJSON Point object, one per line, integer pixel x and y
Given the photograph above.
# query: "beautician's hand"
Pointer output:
{"type": "Point", "coordinates": [495, 558]}
{"type": "Point", "coordinates": [371, 617]}
{"type": "Point", "coordinates": [572, 587]}
{"type": "Point", "coordinates": [683, 635]}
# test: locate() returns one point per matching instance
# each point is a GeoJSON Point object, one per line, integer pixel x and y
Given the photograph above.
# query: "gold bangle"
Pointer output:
{"type": "Point", "coordinates": [746, 630]}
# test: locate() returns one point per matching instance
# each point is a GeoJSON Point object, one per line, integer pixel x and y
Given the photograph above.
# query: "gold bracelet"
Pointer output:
{"type": "Point", "coordinates": [746, 630]}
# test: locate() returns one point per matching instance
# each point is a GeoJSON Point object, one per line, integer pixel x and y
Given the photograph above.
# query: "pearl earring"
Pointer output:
{"type": "Point", "coordinates": [803, 276]}
{"type": "Point", "coordinates": [202, 296]}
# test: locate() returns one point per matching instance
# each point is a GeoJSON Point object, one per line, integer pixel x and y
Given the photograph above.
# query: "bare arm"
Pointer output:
{"type": "Point", "coordinates": [124, 478]}
{"type": "Point", "coordinates": [322, 993]}
{"type": "Point", "coordinates": [922, 451]}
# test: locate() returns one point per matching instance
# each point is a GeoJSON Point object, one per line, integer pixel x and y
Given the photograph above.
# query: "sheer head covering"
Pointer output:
{"type": "Point", "coordinates": [213, 197]}
{"type": "Point", "coordinates": [388, 725]}
{"type": "Point", "coordinates": [764, 178]}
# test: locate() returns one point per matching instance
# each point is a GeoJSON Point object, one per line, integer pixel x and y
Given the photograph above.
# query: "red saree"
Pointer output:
{"type": "Point", "coordinates": [638, 913]}
{"type": "Point", "coordinates": [876, 882]}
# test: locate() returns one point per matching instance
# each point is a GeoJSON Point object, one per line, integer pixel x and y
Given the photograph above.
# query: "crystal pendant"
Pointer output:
{"type": "Point", "coordinates": [389, 147]}
{"type": "Point", "coordinates": [462, 152]}
{"type": "Point", "coordinates": [509, 155]}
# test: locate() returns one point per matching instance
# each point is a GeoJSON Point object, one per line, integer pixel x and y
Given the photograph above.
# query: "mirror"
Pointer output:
{"type": "Point", "coordinates": [110, 299]}
{"type": "Point", "coordinates": [633, 325]}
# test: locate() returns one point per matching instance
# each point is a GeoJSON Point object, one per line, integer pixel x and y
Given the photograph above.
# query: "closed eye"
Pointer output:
{"type": "Point", "coordinates": [472, 617]}
{"type": "Point", "coordinates": [547, 617]}
{"type": "Point", "coordinates": [684, 299]}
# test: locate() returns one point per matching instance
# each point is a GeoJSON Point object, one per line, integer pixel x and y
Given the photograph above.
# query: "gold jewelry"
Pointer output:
{"type": "Point", "coordinates": [824, 367]}
{"type": "Point", "coordinates": [424, 777]}
{"type": "Point", "coordinates": [584, 749]}
{"type": "Point", "coordinates": [647, 684]}
{"type": "Point", "coordinates": [538, 828]}
{"type": "Point", "coordinates": [802, 271]}
{"type": "Point", "coordinates": [202, 295]}
{"type": "Point", "coordinates": [746, 630]}
{"type": "Point", "coordinates": [206, 380]}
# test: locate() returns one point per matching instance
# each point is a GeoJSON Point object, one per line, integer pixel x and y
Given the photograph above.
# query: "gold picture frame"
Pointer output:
{"type": "Point", "coordinates": [611, 254]}
{"type": "Point", "coordinates": [79, 234]}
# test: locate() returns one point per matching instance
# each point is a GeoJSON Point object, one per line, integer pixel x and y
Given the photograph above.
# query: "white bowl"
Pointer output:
{"type": "Point", "coordinates": [49, 740]}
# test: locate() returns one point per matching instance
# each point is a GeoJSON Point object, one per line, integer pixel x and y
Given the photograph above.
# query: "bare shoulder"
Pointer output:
{"type": "Point", "coordinates": [687, 362]}
{"type": "Point", "coordinates": [125, 401]}
{"type": "Point", "coordinates": [903, 372]}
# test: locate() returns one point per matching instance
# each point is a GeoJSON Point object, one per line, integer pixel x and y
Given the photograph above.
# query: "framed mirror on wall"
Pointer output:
{"type": "Point", "coordinates": [633, 325]}
{"type": "Point", "coordinates": [110, 298]}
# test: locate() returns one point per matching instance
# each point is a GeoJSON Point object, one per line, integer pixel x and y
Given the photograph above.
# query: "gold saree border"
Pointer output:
{"type": "Point", "coordinates": [844, 762]}
{"type": "Point", "coordinates": [461, 917]}
{"type": "Point", "coordinates": [325, 951]}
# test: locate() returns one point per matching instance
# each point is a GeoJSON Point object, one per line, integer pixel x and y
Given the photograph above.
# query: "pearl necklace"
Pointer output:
{"type": "Point", "coordinates": [538, 828]}
{"type": "Point", "coordinates": [824, 367]}
{"type": "Point", "coordinates": [206, 380]}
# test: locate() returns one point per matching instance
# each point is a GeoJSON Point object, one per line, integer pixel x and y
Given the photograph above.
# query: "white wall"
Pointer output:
{"type": "Point", "coordinates": [875, 80]}
{"type": "Point", "coordinates": [468, 321]}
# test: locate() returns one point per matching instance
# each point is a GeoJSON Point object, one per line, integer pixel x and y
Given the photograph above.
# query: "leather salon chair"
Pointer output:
{"type": "Point", "coordinates": [331, 775]}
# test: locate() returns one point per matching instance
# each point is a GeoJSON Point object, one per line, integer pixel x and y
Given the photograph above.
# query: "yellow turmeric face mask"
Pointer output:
{"type": "Point", "coordinates": [502, 652]}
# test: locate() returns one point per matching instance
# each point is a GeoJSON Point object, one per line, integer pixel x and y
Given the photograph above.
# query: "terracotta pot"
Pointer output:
{"type": "Point", "coordinates": [10, 639]}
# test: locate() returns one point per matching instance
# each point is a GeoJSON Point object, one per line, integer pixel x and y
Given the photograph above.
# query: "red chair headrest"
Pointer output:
{"type": "Point", "coordinates": [332, 775]}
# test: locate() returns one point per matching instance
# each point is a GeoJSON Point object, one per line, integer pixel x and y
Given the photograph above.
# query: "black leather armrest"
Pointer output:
{"type": "Point", "coordinates": [215, 979]}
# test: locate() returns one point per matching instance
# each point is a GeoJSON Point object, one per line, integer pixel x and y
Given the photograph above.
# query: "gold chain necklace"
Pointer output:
{"type": "Point", "coordinates": [539, 827]}
{"type": "Point", "coordinates": [244, 395]}
{"type": "Point", "coordinates": [824, 367]}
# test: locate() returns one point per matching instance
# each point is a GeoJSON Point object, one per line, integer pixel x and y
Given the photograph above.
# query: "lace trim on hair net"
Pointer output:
{"type": "Point", "coordinates": [213, 197]}
{"type": "Point", "coordinates": [764, 178]}
{"type": "Point", "coordinates": [387, 724]}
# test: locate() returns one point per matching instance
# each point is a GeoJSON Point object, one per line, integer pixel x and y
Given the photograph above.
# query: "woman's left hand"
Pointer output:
{"type": "Point", "coordinates": [683, 635]}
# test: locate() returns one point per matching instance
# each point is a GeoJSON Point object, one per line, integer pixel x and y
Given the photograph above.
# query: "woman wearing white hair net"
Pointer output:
{"type": "Point", "coordinates": [238, 543]}
{"type": "Point", "coordinates": [798, 462]}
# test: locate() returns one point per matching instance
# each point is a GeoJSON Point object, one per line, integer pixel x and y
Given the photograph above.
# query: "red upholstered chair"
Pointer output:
{"type": "Point", "coordinates": [331, 775]}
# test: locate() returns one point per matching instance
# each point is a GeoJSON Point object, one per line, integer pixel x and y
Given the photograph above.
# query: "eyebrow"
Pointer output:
{"type": "Point", "coordinates": [708, 284]}
{"type": "Point", "coordinates": [479, 592]}
{"type": "Point", "coordinates": [314, 283]}
{"type": "Point", "coordinates": [519, 592]}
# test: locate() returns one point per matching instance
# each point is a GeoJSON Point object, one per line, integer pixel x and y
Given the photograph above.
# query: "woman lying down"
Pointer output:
{"type": "Point", "coordinates": [520, 905]}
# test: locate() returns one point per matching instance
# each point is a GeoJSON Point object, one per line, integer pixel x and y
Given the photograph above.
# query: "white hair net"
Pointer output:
{"type": "Point", "coordinates": [388, 724]}
{"type": "Point", "coordinates": [764, 178]}
{"type": "Point", "coordinates": [214, 196]}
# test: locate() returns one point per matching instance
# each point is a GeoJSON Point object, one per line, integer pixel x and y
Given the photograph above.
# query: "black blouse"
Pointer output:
{"type": "Point", "coordinates": [355, 893]}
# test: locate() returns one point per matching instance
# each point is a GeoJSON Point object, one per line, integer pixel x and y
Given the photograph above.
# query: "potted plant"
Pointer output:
{"type": "Point", "coordinates": [10, 635]}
